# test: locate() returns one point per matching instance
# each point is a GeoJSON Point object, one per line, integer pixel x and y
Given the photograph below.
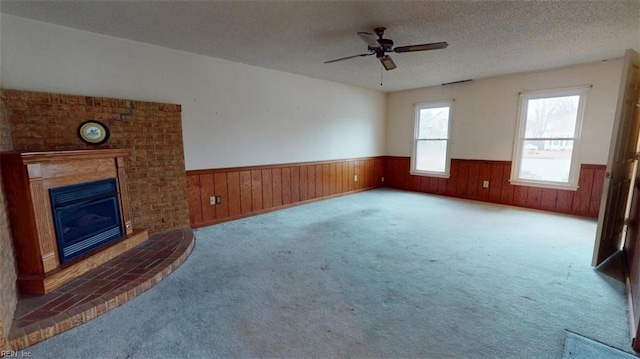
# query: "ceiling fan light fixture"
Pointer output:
{"type": "Point", "coordinates": [387, 62]}
{"type": "Point", "coordinates": [379, 46]}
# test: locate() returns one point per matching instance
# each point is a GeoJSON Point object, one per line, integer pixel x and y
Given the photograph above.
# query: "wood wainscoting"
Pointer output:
{"type": "Point", "coordinates": [467, 176]}
{"type": "Point", "coordinates": [247, 191]}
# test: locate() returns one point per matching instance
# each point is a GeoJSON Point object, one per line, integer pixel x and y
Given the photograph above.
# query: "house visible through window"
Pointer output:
{"type": "Point", "coordinates": [548, 140]}
{"type": "Point", "coordinates": [431, 139]}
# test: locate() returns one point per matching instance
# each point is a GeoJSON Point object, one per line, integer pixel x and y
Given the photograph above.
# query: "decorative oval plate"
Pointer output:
{"type": "Point", "coordinates": [93, 132]}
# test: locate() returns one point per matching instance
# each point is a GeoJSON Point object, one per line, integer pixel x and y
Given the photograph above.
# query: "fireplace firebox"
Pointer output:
{"type": "Point", "coordinates": [85, 216]}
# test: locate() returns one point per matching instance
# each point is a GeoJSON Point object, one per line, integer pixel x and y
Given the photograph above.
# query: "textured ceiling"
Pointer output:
{"type": "Point", "coordinates": [485, 38]}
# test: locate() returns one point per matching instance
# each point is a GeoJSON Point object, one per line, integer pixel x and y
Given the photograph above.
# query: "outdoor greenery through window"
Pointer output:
{"type": "Point", "coordinates": [549, 138]}
{"type": "Point", "coordinates": [431, 139]}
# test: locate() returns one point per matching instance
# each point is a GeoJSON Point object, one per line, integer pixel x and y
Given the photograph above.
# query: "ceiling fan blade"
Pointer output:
{"type": "Point", "coordinates": [422, 47]}
{"type": "Point", "coordinates": [387, 62]}
{"type": "Point", "coordinates": [370, 39]}
{"type": "Point", "coordinates": [349, 57]}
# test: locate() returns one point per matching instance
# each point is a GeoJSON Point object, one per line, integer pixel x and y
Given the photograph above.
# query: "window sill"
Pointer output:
{"type": "Point", "coordinates": [430, 174]}
{"type": "Point", "coordinates": [542, 184]}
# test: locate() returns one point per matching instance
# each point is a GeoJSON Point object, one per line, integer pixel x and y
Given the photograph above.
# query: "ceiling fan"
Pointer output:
{"type": "Point", "coordinates": [381, 46]}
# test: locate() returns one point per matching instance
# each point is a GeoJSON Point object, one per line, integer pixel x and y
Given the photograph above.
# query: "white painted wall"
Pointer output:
{"type": "Point", "coordinates": [235, 114]}
{"type": "Point", "coordinates": [232, 114]}
{"type": "Point", "coordinates": [485, 111]}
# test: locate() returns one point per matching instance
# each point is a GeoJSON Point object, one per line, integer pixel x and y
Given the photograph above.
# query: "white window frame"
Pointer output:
{"type": "Point", "coordinates": [416, 130]}
{"type": "Point", "coordinates": [574, 171]}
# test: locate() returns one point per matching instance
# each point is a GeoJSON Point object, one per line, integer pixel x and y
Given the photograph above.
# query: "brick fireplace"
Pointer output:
{"type": "Point", "coordinates": [151, 132]}
{"type": "Point", "coordinates": [57, 203]}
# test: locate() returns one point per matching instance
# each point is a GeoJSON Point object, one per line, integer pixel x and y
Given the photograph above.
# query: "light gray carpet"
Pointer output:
{"type": "Point", "coordinates": [381, 273]}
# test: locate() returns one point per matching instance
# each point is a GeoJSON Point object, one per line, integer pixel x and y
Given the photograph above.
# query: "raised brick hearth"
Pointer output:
{"type": "Point", "coordinates": [39, 317]}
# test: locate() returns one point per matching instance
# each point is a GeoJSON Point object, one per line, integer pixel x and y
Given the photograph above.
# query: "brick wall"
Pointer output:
{"type": "Point", "coordinates": [156, 176]}
{"type": "Point", "coordinates": [8, 293]}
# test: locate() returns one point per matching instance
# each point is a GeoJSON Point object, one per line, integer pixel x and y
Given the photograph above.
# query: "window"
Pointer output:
{"type": "Point", "coordinates": [548, 139]}
{"type": "Point", "coordinates": [431, 139]}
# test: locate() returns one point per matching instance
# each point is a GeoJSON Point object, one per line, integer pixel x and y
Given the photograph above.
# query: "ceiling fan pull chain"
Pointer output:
{"type": "Point", "coordinates": [381, 72]}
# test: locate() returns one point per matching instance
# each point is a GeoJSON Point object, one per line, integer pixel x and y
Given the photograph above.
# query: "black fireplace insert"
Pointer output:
{"type": "Point", "coordinates": [85, 216]}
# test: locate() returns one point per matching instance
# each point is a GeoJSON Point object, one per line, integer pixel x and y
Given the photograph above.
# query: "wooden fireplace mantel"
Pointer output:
{"type": "Point", "coordinates": [28, 177]}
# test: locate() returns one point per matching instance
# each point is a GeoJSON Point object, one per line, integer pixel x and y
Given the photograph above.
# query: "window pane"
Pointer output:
{"type": "Point", "coordinates": [546, 160]}
{"type": "Point", "coordinates": [434, 122]}
{"type": "Point", "coordinates": [431, 155]}
{"type": "Point", "coordinates": [552, 116]}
